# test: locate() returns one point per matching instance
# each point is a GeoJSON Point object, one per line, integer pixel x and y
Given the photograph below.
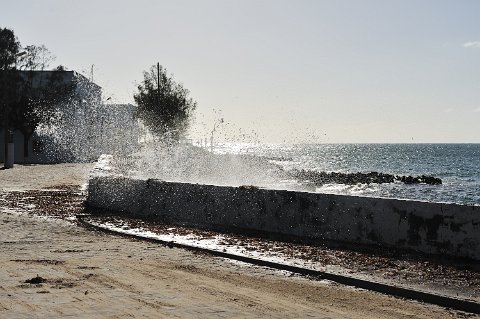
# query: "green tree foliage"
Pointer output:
{"type": "Point", "coordinates": [162, 104]}
{"type": "Point", "coordinates": [9, 47]}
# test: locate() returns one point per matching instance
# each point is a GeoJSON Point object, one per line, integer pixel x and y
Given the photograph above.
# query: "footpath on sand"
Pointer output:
{"type": "Point", "coordinates": [53, 268]}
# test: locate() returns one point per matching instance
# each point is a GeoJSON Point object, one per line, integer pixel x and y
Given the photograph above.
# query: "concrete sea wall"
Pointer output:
{"type": "Point", "coordinates": [433, 228]}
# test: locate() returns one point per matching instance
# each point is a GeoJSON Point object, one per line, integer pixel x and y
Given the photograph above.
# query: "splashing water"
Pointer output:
{"type": "Point", "coordinates": [193, 164]}
{"type": "Point", "coordinates": [274, 166]}
{"type": "Point", "coordinates": [84, 128]}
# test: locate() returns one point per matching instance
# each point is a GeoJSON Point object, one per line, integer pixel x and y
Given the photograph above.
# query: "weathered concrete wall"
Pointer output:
{"type": "Point", "coordinates": [427, 227]}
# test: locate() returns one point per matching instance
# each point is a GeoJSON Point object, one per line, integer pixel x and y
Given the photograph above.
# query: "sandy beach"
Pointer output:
{"type": "Point", "coordinates": [53, 268]}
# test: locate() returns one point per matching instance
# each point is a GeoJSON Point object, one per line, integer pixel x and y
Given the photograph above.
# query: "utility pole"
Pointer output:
{"type": "Point", "coordinates": [9, 146]}
{"type": "Point", "coordinates": [5, 120]}
{"type": "Point", "coordinates": [8, 137]}
{"type": "Point", "coordinates": [158, 78]}
{"type": "Point", "coordinates": [5, 135]}
{"type": "Point", "coordinates": [6, 160]}
{"type": "Point", "coordinates": [158, 84]}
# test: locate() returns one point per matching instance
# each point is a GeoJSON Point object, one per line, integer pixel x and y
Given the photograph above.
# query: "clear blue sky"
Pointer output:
{"type": "Point", "coordinates": [295, 71]}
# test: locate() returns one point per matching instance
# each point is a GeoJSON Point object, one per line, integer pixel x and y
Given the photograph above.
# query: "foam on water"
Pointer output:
{"type": "Point", "coordinates": [458, 165]}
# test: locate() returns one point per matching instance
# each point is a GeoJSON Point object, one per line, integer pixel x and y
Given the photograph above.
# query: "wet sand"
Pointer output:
{"type": "Point", "coordinates": [85, 274]}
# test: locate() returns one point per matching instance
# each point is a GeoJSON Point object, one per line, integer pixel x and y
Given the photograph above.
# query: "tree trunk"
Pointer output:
{"type": "Point", "coordinates": [5, 140]}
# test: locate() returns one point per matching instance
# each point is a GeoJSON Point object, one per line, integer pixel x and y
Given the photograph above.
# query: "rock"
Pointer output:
{"type": "Point", "coordinates": [36, 280]}
{"type": "Point", "coordinates": [321, 178]}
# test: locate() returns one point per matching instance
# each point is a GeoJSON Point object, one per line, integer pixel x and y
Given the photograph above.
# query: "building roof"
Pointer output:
{"type": "Point", "coordinates": [40, 78]}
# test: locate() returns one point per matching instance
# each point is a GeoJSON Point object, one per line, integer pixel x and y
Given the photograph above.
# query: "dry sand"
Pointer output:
{"type": "Point", "coordinates": [25, 177]}
{"type": "Point", "coordinates": [85, 274]}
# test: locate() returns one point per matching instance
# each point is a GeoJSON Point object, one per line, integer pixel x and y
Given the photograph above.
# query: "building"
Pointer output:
{"type": "Point", "coordinates": [82, 128]}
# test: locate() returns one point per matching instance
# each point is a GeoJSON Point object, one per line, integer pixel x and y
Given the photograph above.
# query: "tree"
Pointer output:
{"type": "Point", "coordinates": [36, 57]}
{"type": "Point", "coordinates": [9, 47]}
{"type": "Point", "coordinates": [162, 104]}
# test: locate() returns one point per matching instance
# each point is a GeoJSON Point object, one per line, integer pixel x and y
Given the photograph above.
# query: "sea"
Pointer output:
{"type": "Point", "coordinates": [457, 165]}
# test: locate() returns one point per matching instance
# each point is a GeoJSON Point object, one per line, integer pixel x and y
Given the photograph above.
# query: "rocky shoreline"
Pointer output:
{"type": "Point", "coordinates": [321, 178]}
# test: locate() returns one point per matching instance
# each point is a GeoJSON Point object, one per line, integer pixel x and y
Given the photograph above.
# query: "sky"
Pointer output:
{"type": "Point", "coordinates": [358, 71]}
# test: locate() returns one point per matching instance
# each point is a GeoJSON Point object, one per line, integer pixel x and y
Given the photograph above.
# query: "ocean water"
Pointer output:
{"type": "Point", "coordinates": [458, 165]}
